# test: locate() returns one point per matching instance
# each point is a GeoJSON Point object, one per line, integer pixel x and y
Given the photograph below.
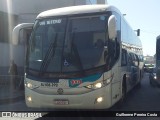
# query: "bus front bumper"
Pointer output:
{"type": "Point", "coordinates": [97, 99]}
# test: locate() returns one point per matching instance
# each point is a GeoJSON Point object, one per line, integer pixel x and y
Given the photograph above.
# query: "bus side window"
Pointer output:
{"type": "Point", "coordinates": [130, 60]}
{"type": "Point", "coordinates": [133, 59]}
{"type": "Point", "coordinates": [124, 58]}
{"type": "Point", "coordinates": [137, 59]}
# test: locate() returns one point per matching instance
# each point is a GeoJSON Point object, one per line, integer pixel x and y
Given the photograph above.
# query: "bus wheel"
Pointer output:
{"type": "Point", "coordinates": [139, 82]}
{"type": "Point", "coordinates": [123, 91]}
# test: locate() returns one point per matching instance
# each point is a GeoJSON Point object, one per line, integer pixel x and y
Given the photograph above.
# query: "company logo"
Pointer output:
{"type": "Point", "coordinates": [60, 91]}
{"type": "Point", "coordinates": [76, 82]}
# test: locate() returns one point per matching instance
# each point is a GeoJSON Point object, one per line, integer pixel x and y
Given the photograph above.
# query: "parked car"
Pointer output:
{"type": "Point", "coordinates": [153, 78]}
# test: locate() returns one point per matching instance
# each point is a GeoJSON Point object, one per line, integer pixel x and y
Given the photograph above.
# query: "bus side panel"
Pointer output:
{"type": "Point", "coordinates": [116, 82]}
{"type": "Point", "coordinates": [116, 92]}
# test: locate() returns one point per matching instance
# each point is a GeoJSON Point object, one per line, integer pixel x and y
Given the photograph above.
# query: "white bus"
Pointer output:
{"type": "Point", "coordinates": [80, 57]}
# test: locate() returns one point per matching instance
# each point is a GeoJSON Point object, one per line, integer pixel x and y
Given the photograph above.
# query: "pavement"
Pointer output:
{"type": "Point", "coordinates": [12, 97]}
{"type": "Point", "coordinates": [8, 95]}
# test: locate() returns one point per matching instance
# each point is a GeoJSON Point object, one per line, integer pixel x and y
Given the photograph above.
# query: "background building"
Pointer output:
{"type": "Point", "coordinates": [149, 59]}
{"type": "Point", "coordinates": [13, 12]}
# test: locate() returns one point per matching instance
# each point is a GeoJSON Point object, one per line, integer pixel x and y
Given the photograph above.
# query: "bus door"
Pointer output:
{"type": "Point", "coordinates": [20, 38]}
{"type": "Point", "coordinates": [24, 40]}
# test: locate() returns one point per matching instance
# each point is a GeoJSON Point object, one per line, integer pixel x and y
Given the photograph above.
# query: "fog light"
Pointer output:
{"type": "Point", "coordinates": [29, 99]}
{"type": "Point", "coordinates": [99, 100]}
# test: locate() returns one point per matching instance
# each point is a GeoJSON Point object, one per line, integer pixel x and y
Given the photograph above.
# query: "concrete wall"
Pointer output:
{"type": "Point", "coordinates": [13, 12]}
{"type": "Point", "coordinates": [27, 10]}
{"type": "Point", "coordinates": [7, 22]}
{"type": "Point", "coordinates": [36, 6]}
{"type": "Point", "coordinates": [9, 52]}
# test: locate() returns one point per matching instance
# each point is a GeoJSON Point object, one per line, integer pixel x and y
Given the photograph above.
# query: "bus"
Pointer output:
{"type": "Point", "coordinates": [80, 57]}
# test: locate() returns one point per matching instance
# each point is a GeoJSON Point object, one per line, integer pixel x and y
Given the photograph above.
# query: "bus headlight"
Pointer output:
{"type": "Point", "coordinates": [99, 84]}
{"type": "Point", "coordinates": [30, 85]}
{"type": "Point", "coordinates": [155, 77]}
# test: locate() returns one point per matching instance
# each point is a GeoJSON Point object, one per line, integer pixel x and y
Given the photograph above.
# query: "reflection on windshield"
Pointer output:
{"type": "Point", "coordinates": [48, 46]}
{"type": "Point", "coordinates": [82, 48]}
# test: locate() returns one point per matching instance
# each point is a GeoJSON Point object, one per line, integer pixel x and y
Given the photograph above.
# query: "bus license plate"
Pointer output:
{"type": "Point", "coordinates": [61, 102]}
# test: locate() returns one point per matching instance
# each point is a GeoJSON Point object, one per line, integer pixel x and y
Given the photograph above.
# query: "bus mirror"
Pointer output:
{"type": "Point", "coordinates": [112, 27]}
{"type": "Point", "coordinates": [17, 29]}
{"type": "Point", "coordinates": [138, 32]}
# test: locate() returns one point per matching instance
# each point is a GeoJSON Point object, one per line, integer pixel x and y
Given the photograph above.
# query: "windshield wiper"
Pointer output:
{"type": "Point", "coordinates": [49, 55]}
{"type": "Point", "coordinates": [77, 55]}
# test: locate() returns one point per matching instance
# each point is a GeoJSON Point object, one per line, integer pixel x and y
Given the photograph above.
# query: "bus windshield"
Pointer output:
{"type": "Point", "coordinates": [62, 45]}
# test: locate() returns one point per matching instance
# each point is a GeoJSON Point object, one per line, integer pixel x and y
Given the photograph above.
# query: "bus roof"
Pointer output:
{"type": "Point", "coordinates": [77, 10]}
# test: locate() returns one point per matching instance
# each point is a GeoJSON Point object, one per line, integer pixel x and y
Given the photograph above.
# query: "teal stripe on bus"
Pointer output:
{"type": "Point", "coordinates": [76, 82]}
